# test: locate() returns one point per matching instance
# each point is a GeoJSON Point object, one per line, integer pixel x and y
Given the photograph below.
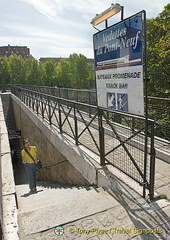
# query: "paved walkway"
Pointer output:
{"type": "Point", "coordinates": [89, 213]}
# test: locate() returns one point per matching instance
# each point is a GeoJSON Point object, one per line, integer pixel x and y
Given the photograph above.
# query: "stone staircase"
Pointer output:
{"type": "Point", "coordinates": [55, 205]}
{"type": "Point", "coordinates": [11, 124]}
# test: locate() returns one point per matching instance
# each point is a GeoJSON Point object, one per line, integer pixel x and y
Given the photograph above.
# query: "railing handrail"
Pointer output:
{"type": "Point", "coordinates": [154, 112]}
{"type": "Point", "coordinates": [88, 105]}
{"type": "Point", "coordinates": [85, 90]}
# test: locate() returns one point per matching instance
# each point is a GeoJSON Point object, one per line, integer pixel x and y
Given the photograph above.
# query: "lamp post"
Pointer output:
{"type": "Point", "coordinates": [113, 10]}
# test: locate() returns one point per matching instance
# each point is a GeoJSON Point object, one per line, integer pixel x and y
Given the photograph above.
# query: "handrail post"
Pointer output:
{"type": "Point", "coordinates": [76, 126]}
{"type": "Point", "coordinates": [49, 111]}
{"type": "Point", "coordinates": [60, 120]}
{"type": "Point", "coordinates": [37, 102]}
{"type": "Point", "coordinates": [67, 94]}
{"type": "Point", "coordinates": [152, 164]}
{"type": "Point", "coordinates": [76, 95]}
{"type": "Point", "coordinates": [89, 104]}
{"type": "Point", "coordinates": [42, 107]}
{"type": "Point", "coordinates": [30, 100]}
{"type": "Point", "coordinates": [101, 138]}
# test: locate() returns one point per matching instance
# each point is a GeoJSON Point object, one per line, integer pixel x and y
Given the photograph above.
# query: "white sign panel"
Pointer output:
{"type": "Point", "coordinates": [119, 66]}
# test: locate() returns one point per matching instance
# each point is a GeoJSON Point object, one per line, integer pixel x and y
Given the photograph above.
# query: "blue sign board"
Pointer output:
{"type": "Point", "coordinates": [14, 134]}
{"type": "Point", "coordinates": [119, 65]}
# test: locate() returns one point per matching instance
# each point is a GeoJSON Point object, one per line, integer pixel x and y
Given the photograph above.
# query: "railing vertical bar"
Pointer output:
{"type": "Point", "coordinates": [90, 104]}
{"type": "Point", "coordinates": [60, 119]}
{"type": "Point", "coordinates": [76, 125]}
{"type": "Point", "coordinates": [101, 138]}
{"type": "Point", "coordinates": [49, 111]}
{"type": "Point", "coordinates": [37, 103]}
{"type": "Point", "coordinates": [42, 107]}
{"type": "Point", "coordinates": [152, 164]}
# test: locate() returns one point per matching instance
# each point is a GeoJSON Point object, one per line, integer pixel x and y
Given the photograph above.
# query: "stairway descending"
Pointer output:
{"type": "Point", "coordinates": [55, 205]}
{"type": "Point", "coordinates": [11, 124]}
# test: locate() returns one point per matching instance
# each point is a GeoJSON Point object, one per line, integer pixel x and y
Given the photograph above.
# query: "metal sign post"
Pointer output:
{"type": "Point", "coordinates": [121, 72]}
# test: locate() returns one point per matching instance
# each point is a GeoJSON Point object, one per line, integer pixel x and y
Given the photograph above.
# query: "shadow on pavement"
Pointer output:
{"type": "Point", "coordinates": [28, 194]}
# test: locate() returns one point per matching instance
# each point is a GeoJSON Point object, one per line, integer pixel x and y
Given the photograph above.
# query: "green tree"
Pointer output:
{"type": "Point", "coordinates": [73, 58]}
{"type": "Point", "coordinates": [17, 69]}
{"type": "Point", "coordinates": [158, 36]}
{"type": "Point", "coordinates": [4, 71]}
{"type": "Point", "coordinates": [73, 73]}
{"type": "Point", "coordinates": [158, 39]}
{"type": "Point", "coordinates": [49, 68]}
{"type": "Point", "coordinates": [81, 73]}
{"type": "Point", "coordinates": [34, 72]}
{"type": "Point", "coordinates": [63, 74]}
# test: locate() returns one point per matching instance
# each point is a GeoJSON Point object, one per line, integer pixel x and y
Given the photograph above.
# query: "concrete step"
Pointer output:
{"type": "Point", "coordinates": [51, 185]}
{"type": "Point", "coordinates": [49, 193]}
{"type": "Point", "coordinates": [56, 205]}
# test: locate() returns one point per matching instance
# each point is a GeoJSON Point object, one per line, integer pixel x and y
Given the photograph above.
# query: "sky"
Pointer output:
{"type": "Point", "coordinates": [58, 28]}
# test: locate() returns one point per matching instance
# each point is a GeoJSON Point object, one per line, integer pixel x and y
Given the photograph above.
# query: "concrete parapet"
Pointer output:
{"type": "Point", "coordinates": [9, 221]}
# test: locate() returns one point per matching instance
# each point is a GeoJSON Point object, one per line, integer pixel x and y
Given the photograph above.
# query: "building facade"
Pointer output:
{"type": "Point", "coordinates": [23, 51]}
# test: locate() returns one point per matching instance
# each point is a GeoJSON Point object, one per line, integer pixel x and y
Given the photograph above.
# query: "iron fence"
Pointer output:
{"type": "Point", "coordinates": [125, 145]}
{"type": "Point", "coordinates": [158, 108]}
{"type": "Point", "coordinates": [78, 95]}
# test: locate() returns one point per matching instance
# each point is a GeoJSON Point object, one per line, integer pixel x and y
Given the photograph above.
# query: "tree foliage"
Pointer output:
{"type": "Point", "coordinates": [63, 74]}
{"type": "Point", "coordinates": [17, 69]}
{"type": "Point", "coordinates": [4, 71]}
{"type": "Point", "coordinates": [34, 72]}
{"type": "Point", "coordinates": [158, 37]}
{"type": "Point", "coordinates": [80, 71]}
{"type": "Point", "coordinates": [158, 40]}
{"type": "Point", "coordinates": [49, 73]}
{"type": "Point", "coordinates": [73, 73]}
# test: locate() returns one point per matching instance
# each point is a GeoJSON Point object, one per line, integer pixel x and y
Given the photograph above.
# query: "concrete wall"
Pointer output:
{"type": "Point", "coordinates": [56, 166]}
{"type": "Point", "coordinates": [9, 221]}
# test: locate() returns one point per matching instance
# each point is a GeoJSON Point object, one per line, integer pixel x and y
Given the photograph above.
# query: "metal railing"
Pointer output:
{"type": "Point", "coordinates": [78, 95]}
{"type": "Point", "coordinates": [158, 108]}
{"type": "Point", "coordinates": [125, 145]}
